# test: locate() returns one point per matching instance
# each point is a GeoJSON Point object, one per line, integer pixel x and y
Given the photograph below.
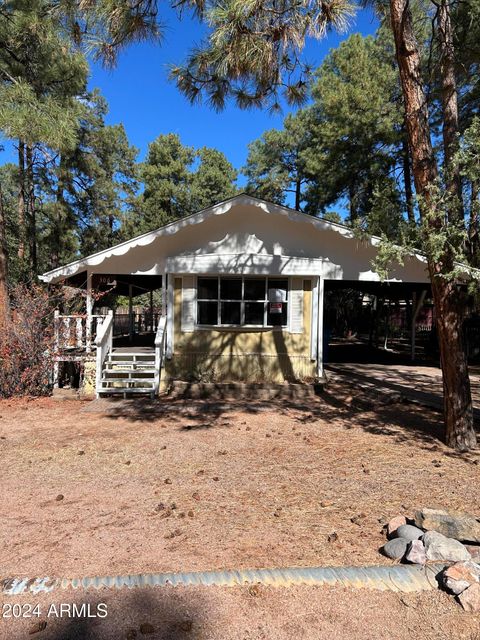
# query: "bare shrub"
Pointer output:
{"type": "Point", "coordinates": [26, 344]}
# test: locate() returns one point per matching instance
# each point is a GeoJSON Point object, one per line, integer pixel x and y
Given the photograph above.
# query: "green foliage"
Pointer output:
{"type": "Point", "coordinates": [213, 180]}
{"type": "Point", "coordinates": [174, 187]}
{"type": "Point", "coordinates": [40, 75]}
{"type": "Point", "coordinates": [275, 166]}
{"type": "Point", "coordinates": [356, 125]}
{"type": "Point", "coordinates": [252, 52]}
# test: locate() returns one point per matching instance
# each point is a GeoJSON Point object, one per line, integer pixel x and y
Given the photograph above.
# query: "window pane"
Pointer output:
{"type": "Point", "coordinates": [230, 288]}
{"type": "Point", "coordinates": [230, 312]}
{"type": "Point", "coordinates": [254, 312]}
{"type": "Point", "coordinates": [254, 289]}
{"type": "Point", "coordinates": [207, 313]}
{"type": "Point", "coordinates": [278, 319]}
{"type": "Point", "coordinates": [207, 289]}
{"type": "Point", "coordinates": [279, 284]}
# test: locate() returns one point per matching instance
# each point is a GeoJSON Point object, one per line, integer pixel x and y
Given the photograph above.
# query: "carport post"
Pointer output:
{"type": "Point", "coordinates": [321, 291]}
{"type": "Point", "coordinates": [416, 306]}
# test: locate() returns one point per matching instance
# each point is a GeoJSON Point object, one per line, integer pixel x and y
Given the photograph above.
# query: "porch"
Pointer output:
{"type": "Point", "coordinates": [118, 351]}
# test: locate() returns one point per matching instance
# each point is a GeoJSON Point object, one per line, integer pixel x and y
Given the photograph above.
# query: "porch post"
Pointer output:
{"type": "Point", "coordinates": [152, 324]}
{"type": "Point", "coordinates": [89, 304]}
{"type": "Point", "coordinates": [321, 292]}
{"type": "Point", "coordinates": [130, 312]}
{"type": "Point", "coordinates": [170, 328]}
{"type": "Point", "coordinates": [164, 293]}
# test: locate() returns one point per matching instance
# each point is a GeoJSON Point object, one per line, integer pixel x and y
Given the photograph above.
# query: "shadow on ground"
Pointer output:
{"type": "Point", "coordinates": [374, 412]}
{"type": "Point", "coordinates": [130, 615]}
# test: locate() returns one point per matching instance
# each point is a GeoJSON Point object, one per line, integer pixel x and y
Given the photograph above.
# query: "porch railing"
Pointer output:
{"type": "Point", "coordinates": [159, 351]}
{"type": "Point", "coordinates": [139, 323]}
{"type": "Point", "coordinates": [73, 333]}
{"type": "Point", "coordinates": [103, 343]}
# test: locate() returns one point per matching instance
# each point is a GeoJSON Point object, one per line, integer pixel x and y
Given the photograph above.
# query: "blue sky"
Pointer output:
{"type": "Point", "coordinates": [140, 95]}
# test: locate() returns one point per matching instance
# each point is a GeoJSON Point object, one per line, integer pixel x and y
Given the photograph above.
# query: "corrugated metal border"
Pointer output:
{"type": "Point", "coordinates": [404, 578]}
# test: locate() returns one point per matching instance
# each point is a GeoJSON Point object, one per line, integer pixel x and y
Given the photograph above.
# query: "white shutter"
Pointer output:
{"type": "Point", "coordinates": [188, 303]}
{"type": "Point", "coordinates": [296, 305]}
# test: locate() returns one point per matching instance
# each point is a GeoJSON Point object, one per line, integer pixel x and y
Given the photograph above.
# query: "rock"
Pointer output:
{"type": "Point", "coordinates": [453, 524]}
{"type": "Point", "coordinates": [332, 537]}
{"type": "Point", "coordinates": [396, 548]}
{"type": "Point", "coordinates": [470, 598]}
{"type": "Point", "coordinates": [439, 547]}
{"type": "Point", "coordinates": [326, 503]}
{"type": "Point", "coordinates": [167, 481]}
{"type": "Point", "coordinates": [409, 532]}
{"type": "Point", "coordinates": [393, 525]}
{"type": "Point", "coordinates": [474, 551]}
{"type": "Point", "coordinates": [416, 552]}
{"type": "Point", "coordinates": [59, 498]}
{"type": "Point", "coordinates": [358, 519]}
{"type": "Point", "coordinates": [460, 576]}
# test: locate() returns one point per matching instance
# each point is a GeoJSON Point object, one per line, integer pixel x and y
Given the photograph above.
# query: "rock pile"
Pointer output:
{"type": "Point", "coordinates": [437, 535]}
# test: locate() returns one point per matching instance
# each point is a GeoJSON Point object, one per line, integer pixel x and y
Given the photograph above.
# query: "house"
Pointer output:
{"type": "Point", "coordinates": [243, 286]}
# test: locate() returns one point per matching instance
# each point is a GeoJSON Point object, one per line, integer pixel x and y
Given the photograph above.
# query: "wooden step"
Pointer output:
{"type": "Point", "coordinates": [128, 363]}
{"type": "Point", "coordinates": [119, 374]}
{"type": "Point", "coordinates": [127, 380]}
{"type": "Point", "coordinates": [126, 392]}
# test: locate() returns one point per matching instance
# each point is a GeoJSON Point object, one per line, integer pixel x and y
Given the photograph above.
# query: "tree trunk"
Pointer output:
{"type": "Point", "coordinates": [59, 215]}
{"type": "Point", "coordinates": [449, 306]}
{"type": "Point", "coordinates": [352, 198]}
{"type": "Point", "coordinates": [4, 301]}
{"type": "Point", "coordinates": [32, 218]}
{"type": "Point", "coordinates": [458, 413]}
{"type": "Point", "coordinates": [407, 180]}
{"type": "Point", "coordinates": [449, 106]}
{"type": "Point", "coordinates": [21, 203]}
{"type": "Point", "coordinates": [298, 193]}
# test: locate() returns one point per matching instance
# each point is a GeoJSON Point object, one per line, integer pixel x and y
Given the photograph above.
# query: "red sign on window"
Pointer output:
{"type": "Point", "coordinates": [275, 307]}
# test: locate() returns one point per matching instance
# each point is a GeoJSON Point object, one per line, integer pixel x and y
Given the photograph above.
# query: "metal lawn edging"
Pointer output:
{"type": "Point", "coordinates": [398, 578]}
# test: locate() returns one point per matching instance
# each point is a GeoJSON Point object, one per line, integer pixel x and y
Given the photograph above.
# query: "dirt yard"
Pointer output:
{"type": "Point", "coordinates": [104, 489]}
{"type": "Point", "coordinates": [190, 486]}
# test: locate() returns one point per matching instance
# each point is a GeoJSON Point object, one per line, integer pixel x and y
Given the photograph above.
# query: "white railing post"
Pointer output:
{"type": "Point", "coordinates": [159, 352]}
{"type": "Point", "coordinates": [56, 346]}
{"type": "Point", "coordinates": [104, 344]}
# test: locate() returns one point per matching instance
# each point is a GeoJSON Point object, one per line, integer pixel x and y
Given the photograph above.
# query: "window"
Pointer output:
{"type": "Point", "coordinates": [240, 302]}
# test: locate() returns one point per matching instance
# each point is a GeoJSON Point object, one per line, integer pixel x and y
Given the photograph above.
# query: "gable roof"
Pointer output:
{"type": "Point", "coordinates": [221, 208]}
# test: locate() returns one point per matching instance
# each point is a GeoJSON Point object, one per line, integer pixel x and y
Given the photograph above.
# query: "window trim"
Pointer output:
{"type": "Point", "coordinates": [242, 301]}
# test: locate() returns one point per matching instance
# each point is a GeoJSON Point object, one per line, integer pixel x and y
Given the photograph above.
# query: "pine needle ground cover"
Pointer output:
{"type": "Point", "coordinates": [171, 486]}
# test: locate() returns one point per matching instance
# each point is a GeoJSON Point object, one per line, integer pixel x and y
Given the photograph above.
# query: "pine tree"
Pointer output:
{"type": "Point", "coordinates": [276, 161]}
{"type": "Point", "coordinates": [213, 180]}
